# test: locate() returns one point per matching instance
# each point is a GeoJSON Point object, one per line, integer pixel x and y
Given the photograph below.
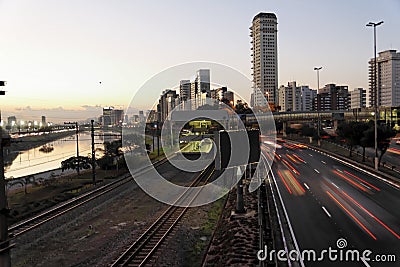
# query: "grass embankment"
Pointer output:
{"type": "Point", "coordinates": [38, 198]}
{"type": "Point", "coordinates": [206, 230]}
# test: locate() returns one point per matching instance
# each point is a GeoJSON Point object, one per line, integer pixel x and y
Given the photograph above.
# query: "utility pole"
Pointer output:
{"type": "Point", "coordinates": [93, 154]}
{"type": "Point", "coordinates": [5, 260]}
{"type": "Point", "coordinates": [158, 140]}
{"type": "Point", "coordinates": [77, 144]}
{"type": "Point", "coordinates": [373, 24]}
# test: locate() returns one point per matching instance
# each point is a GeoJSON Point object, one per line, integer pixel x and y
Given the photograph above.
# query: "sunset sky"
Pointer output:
{"type": "Point", "coordinates": [53, 54]}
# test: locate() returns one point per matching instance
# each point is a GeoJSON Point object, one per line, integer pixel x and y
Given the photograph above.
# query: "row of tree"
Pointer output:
{"type": "Point", "coordinates": [362, 134]}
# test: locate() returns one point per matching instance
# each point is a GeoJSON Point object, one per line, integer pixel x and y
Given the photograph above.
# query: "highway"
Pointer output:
{"type": "Point", "coordinates": [327, 200]}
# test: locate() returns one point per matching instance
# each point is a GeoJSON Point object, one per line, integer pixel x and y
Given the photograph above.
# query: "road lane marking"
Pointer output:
{"type": "Point", "coordinates": [317, 171]}
{"type": "Point", "coordinates": [335, 185]}
{"type": "Point", "coordinates": [310, 154]}
{"type": "Point", "coordinates": [327, 212]}
{"type": "Point", "coordinates": [286, 216]}
{"type": "Point", "coordinates": [323, 162]}
{"type": "Point", "coordinates": [306, 186]}
{"type": "Point", "coordinates": [352, 216]}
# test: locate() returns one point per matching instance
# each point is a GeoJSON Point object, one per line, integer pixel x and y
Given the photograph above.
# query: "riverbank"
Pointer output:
{"type": "Point", "coordinates": [28, 142]}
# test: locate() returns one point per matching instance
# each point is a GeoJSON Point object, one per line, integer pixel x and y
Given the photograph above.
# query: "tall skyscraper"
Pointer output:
{"type": "Point", "coordinates": [264, 32]}
{"type": "Point", "coordinates": [388, 79]}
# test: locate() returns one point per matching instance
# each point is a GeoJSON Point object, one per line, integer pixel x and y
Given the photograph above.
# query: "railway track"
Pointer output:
{"type": "Point", "coordinates": [60, 209]}
{"type": "Point", "coordinates": [141, 251]}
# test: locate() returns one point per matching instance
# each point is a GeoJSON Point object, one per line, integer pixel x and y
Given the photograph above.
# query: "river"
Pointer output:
{"type": "Point", "coordinates": [34, 161]}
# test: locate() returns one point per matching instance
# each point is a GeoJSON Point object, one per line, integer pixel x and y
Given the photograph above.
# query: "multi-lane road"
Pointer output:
{"type": "Point", "coordinates": [327, 200]}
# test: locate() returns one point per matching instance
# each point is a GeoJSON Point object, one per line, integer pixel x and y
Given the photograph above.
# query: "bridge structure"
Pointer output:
{"type": "Point", "coordinates": [388, 115]}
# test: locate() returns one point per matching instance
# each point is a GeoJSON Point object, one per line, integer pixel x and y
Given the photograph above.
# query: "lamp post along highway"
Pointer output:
{"type": "Point", "coordinates": [375, 88]}
{"type": "Point", "coordinates": [318, 123]}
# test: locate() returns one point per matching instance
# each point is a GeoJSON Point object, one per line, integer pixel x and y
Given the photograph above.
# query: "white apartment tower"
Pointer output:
{"type": "Point", "coordinates": [290, 97]}
{"type": "Point", "coordinates": [264, 33]}
{"type": "Point", "coordinates": [388, 79]}
{"type": "Point", "coordinates": [307, 97]}
{"type": "Point", "coordinates": [200, 88]}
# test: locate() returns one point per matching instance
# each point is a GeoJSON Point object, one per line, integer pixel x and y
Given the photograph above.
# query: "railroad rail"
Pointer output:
{"type": "Point", "coordinates": [141, 251]}
{"type": "Point", "coordinates": [60, 209]}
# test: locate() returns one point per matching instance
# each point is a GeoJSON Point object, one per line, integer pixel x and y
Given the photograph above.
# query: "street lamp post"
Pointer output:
{"type": "Point", "coordinates": [376, 161]}
{"type": "Point", "coordinates": [317, 69]}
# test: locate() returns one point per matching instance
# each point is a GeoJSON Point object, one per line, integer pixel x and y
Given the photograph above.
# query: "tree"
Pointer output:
{"type": "Point", "coordinates": [385, 133]}
{"type": "Point", "coordinates": [242, 107]}
{"type": "Point", "coordinates": [72, 163]}
{"type": "Point", "coordinates": [352, 132]}
{"type": "Point", "coordinates": [367, 140]}
{"type": "Point", "coordinates": [112, 153]}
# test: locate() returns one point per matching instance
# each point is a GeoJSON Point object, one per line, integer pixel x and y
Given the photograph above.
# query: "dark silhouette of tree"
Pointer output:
{"type": "Point", "coordinates": [368, 139]}
{"type": "Point", "coordinates": [112, 153]}
{"type": "Point", "coordinates": [72, 163]}
{"type": "Point", "coordinates": [385, 133]}
{"type": "Point", "coordinates": [242, 107]}
{"type": "Point", "coordinates": [352, 132]}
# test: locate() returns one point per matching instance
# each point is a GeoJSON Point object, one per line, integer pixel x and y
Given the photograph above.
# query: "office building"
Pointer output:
{"type": "Point", "coordinates": [265, 55]}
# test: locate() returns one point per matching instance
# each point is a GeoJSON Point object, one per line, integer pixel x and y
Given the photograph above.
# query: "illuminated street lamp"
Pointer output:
{"type": "Point", "coordinates": [373, 24]}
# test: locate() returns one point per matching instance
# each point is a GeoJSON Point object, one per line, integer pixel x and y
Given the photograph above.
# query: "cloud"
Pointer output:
{"type": "Point", "coordinates": [56, 115]}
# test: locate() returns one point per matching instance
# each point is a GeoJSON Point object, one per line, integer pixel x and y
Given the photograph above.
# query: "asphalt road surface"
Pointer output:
{"type": "Point", "coordinates": [327, 200]}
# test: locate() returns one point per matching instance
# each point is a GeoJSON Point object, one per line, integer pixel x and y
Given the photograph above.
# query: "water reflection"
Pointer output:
{"type": "Point", "coordinates": [35, 161]}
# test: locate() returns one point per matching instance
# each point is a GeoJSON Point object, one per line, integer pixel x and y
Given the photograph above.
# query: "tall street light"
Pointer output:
{"type": "Point", "coordinates": [317, 69]}
{"type": "Point", "coordinates": [375, 24]}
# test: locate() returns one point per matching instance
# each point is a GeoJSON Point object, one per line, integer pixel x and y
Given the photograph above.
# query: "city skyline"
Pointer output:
{"type": "Point", "coordinates": [68, 59]}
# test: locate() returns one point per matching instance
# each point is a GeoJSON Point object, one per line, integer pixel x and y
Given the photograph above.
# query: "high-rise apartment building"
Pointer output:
{"type": "Point", "coordinates": [200, 88]}
{"type": "Point", "coordinates": [257, 99]}
{"type": "Point", "coordinates": [264, 33]}
{"type": "Point", "coordinates": [184, 90]}
{"type": "Point", "coordinates": [289, 97]}
{"type": "Point", "coordinates": [169, 99]}
{"type": "Point", "coordinates": [387, 78]}
{"type": "Point", "coordinates": [358, 98]}
{"type": "Point", "coordinates": [307, 96]}
{"type": "Point", "coordinates": [332, 97]}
